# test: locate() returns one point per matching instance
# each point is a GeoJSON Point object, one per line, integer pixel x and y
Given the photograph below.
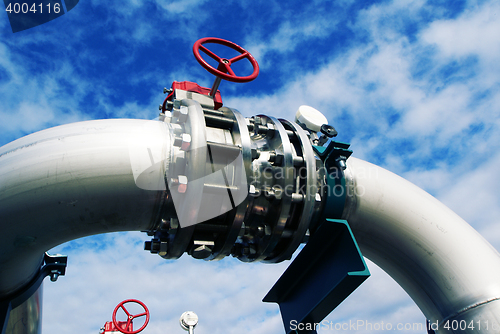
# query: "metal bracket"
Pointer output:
{"type": "Point", "coordinates": [54, 266]}
{"type": "Point", "coordinates": [334, 151]}
{"type": "Point", "coordinates": [327, 270]}
{"type": "Point", "coordinates": [334, 156]}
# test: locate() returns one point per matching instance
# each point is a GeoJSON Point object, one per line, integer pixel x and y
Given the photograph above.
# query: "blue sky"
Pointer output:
{"type": "Point", "coordinates": [414, 86]}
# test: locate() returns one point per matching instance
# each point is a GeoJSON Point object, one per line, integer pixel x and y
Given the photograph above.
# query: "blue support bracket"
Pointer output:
{"type": "Point", "coordinates": [327, 270]}
{"type": "Point", "coordinates": [334, 156]}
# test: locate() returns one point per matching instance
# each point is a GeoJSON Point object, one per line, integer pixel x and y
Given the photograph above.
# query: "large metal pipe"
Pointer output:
{"type": "Point", "coordinates": [69, 182]}
{"type": "Point", "coordinates": [449, 270]}
{"type": "Point", "coordinates": [27, 317]}
{"type": "Point", "coordinates": [78, 180]}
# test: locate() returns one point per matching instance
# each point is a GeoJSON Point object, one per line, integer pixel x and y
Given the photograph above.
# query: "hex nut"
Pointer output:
{"type": "Point", "coordinates": [178, 129]}
{"type": "Point", "coordinates": [164, 224]}
{"type": "Point", "coordinates": [183, 183]}
{"type": "Point", "coordinates": [296, 198]}
{"type": "Point", "coordinates": [186, 141]}
{"type": "Point", "coordinates": [255, 153]}
{"type": "Point", "coordinates": [263, 230]}
{"type": "Point", "coordinates": [163, 250]}
{"type": "Point", "coordinates": [183, 114]}
{"type": "Point", "coordinates": [341, 162]}
{"type": "Point", "coordinates": [177, 141]}
{"type": "Point", "coordinates": [252, 190]}
{"type": "Point", "coordinates": [153, 246]}
{"type": "Point", "coordinates": [276, 159]}
{"type": "Point", "coordinates": [280, 158]}
{"type": "Point", "coordinates": [174, 223]}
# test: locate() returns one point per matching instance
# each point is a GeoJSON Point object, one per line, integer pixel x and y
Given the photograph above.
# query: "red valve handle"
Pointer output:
{"type": "Point", "coordinates": [224, 70]}
{"type": "Point", "coordinates": [130, 317]}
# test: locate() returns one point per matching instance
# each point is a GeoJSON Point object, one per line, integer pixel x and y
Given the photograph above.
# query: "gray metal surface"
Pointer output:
{"type": "Point", "coordinates": [27, 317]}
{"type": "Point", "coordinates": [65, 183]}
{"type": "Point", "coordinates": [120, 175]}
{"type": "Point", "coordinates": [251, 197]}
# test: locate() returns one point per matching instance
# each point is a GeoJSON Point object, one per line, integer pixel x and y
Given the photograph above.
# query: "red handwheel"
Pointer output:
{"type": "Point", "coordinates": [131, 317]}
{"type": "Point", "coordinates": [224, 70]}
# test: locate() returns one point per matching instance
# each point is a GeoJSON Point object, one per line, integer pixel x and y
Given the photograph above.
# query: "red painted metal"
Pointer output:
{"type": "Point", "coordinates": [110, 327]}
{"type": "Point", "coordinates": [192, 87]}
{"type": "Point", "coordinates": [224, 70]}
{"type": "Point", "coordinates": [127, 326]}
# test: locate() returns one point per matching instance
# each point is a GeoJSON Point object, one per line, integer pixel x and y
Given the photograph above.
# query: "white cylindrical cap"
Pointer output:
{"type": "Point", "coordinates": [310, 117]}
{"type": "Point", "coordinates": [188, 319]}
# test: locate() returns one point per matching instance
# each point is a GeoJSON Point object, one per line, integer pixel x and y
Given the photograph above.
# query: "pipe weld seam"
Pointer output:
{"type": "Point", "coordinates": [468, 308]}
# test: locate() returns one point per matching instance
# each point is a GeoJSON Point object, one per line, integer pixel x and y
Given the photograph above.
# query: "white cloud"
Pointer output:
{"type": "Point", "coordinates": [474, 33]}
{"type": "Point", "coordinates": [387, 89]}
{"type": "Point", "coordinates": [226, 295]}
{"type": "Point", "coordinates": [436, 112]}
{"type": "Point", "coordinates": [357, 313]}
{"type": "Point", "coordinates": [216, 290]}
{"type": "Point", "coordinates": [293, 30]}
{"type": "Point", "coordinates": [474, 196]}
{"type": "Point", "coordinates": [31, 103]}
{"type": "Point", "coordinates": [181, 7]}
{"type": "Point", "coordinates": [384, 74]}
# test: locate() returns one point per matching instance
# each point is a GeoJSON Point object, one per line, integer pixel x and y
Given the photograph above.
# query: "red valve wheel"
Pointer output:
{"type": "Point", "coordinates": [224, 70]}
{"type": "Point", "coordinates": [131, 317]}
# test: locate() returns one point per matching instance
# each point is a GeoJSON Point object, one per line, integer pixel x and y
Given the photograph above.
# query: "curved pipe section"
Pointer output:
{"type": "Point", "coordinates": [69, 182]}
{"type": "Point", "coordinates": [78, 180]}
{"type": "Point", "coordinates": [449, 270]}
